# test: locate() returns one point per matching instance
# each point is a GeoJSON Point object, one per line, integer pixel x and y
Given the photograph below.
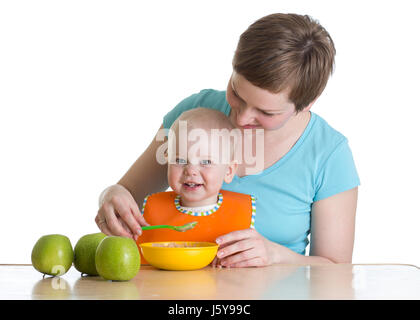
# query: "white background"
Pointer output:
{"type": "Point", "coordinates": [84, 86]}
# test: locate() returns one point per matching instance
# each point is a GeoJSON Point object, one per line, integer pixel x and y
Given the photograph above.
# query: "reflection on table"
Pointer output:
{"type": "Point", "coordinates": [344, 281]}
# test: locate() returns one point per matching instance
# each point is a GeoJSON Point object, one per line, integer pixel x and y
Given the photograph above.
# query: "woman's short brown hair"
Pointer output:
{"type": "Point", "coordinates": [286, 52]}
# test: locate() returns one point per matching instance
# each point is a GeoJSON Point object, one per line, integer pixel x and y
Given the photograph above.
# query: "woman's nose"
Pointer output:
{"type": "Point", "coordinates": [244, 116]}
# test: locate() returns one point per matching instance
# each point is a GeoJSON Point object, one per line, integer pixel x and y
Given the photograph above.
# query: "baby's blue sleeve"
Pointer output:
{"type": "Point", "coordinates": [338, 174]}
{"type": "Point", "coordinates": [207, 98]}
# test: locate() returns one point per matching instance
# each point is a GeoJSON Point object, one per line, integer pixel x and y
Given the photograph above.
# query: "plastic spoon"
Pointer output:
{"type": "Point", "coordinates": [183, 228]}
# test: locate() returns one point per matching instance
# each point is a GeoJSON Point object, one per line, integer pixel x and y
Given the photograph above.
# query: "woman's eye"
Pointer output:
{"type": "Point", "coordinates": [205, 162]}
{"type": "Point", "coordinates": [181, 161]}
{"type": "Point", "coordinates": [267, 114]}
{"type": "Point", "coordinates": [236, 95]}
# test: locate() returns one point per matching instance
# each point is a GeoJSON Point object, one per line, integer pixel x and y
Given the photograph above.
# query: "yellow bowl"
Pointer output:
{"type": "Point", "coordinates": [179, 255]}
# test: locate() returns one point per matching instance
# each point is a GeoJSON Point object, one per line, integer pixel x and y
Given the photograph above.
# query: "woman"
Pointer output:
{"type": "Point", "coordinates": [308, 183]}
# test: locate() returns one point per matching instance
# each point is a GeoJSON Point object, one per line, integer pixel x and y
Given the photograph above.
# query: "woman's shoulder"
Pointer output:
{"type": "Point", "coordinates": [324, 135]}
{"type": "Point", "coordinates": [335, 168]}
{"type": "Point", "coordinates": [207, 98]}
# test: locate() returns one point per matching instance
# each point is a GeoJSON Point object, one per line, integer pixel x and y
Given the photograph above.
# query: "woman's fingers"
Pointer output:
{"type": "Point", "coordinates": [236, 236]}
{"type": "Point", "coordinates": [216, 263]}
{"type": "Point", "coordinates": [112, 223]}
{"type": "Point", "coordinates": [243, 248]}
{"type": "Point", "coordinates": [254, 262]}
{"type": "Point", "coordinates": [240, 257]}
{"type": "Point", "coordinates": [213, 263]}
{"type": "Point", "coordinates": [137, 215]}
{"type": "Point", "coordinates": [123, 210]}
{"type": "Point", "coordinates": [236, 247]}
{"type": "Point", "coordinates": [126, 228]}
{"type": "Point", "coordinates": [119, 214]}
{"type": "Point", "coordinates": [102, 225]}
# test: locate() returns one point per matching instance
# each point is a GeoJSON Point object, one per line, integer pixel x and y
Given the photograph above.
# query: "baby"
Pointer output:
{"type": "Point", "coordinates": [200, 158]}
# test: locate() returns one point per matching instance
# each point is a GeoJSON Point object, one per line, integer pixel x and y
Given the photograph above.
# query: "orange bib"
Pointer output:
{"type": "Point", "coordinates": [234, 213]}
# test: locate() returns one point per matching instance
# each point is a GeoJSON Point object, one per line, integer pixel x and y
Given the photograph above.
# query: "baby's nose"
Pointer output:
{"type": "Point", "coordinates": [190, 170]}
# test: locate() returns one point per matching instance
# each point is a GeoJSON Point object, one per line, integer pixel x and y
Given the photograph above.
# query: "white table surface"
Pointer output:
{"type": "Point", "coordinates": [342, 281]}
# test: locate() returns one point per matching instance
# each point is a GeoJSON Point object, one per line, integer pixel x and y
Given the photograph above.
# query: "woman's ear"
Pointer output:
{"type": "Point", "coordinates": [309, 106]}
{"type": "Point", "coordinates": [231, 170]}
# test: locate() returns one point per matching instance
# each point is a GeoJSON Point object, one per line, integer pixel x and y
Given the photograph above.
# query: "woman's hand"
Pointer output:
{"type": "Point", "coordinates": [245, 248]}
{"type": "Point", "coordinates": [119, 214]}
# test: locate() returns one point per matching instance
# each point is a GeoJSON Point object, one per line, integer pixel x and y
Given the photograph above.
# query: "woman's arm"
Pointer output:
{"type": "Point", "coordinates": [332, 238]}
{"type": "Point", "coordinates": [119, 212]}
{"type": "Point", "coordinates": [332, 231]}
{"type": "Point", "coordinates": [333, 227]}
{"type": "Point", "coordinates": [146, 175]}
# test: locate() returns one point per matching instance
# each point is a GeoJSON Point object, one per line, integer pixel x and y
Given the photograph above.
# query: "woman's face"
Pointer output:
{"type": "Point", "coordinates": [253, 107]}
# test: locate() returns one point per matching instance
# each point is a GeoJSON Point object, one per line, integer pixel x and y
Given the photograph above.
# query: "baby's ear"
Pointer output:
{"type": "Point", "coordinates": [231, 170]}
{"type": "Point", "coordinates": [165, 156]}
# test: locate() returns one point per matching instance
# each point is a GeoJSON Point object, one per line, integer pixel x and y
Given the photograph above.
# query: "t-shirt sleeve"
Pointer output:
{"type": "Point", "coordinates": [338, 174]}
{"type": "Point", "coordinates": [206, 98]}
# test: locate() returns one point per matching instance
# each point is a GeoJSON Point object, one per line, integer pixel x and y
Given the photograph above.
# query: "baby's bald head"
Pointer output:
{"type": "Point", "coordinates": [203, 118]}
{"type": "Point", "coordinates": [206, 126]}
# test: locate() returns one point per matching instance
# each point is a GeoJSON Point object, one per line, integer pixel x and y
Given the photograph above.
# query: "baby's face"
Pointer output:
{"type": "Point", "coordinates": [197, 174]}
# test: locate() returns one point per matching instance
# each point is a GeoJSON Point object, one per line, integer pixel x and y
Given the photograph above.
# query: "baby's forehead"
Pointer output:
{"type": "Point", "coordinates": [204, 118]}
{"type": "Point", "coordinates": [193, 130]}
{"type": "Point", "coordinates": [184, 131]}
{"type": "Point", "coordinates": [205, 138]}
{"type": "Point", "coordinates": [202, 136]}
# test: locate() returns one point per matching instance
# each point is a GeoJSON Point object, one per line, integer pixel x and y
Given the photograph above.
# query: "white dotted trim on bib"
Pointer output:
{"type": "Point", "coordinates": [254, 210]}
{"type": "Point", "coordinates": [198, 213]}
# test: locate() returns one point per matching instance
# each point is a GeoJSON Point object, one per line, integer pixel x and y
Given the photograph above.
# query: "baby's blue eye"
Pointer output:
{"type": "Point", "coordinates": [181, 161]}
{"type": "Point", "coordinates": [205, 162]}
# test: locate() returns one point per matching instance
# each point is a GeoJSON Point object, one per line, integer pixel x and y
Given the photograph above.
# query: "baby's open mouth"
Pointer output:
{"type": "Point", "coordinates": [192, 186]}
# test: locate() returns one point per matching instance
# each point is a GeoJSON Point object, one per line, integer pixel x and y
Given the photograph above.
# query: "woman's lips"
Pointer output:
{"type": "Point", "coordinates": [250, 126]}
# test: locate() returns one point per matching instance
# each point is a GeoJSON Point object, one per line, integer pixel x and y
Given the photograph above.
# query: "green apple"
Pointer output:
{"type": "Point", "coordinates": [52, 255]}
{"type": "Point", "coordinates": [84, 253]}
{"type": "Point", "coordinates": [117, 258]}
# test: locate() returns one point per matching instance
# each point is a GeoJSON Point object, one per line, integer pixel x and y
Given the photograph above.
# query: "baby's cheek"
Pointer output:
{"type": "Point", "coordinates": [173, 176]}
{"type": "Point", "coordinates": [215, 176]}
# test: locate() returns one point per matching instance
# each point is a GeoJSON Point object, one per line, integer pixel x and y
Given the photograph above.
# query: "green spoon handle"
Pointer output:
{"type": "Point", "coordinates": [157, 227]}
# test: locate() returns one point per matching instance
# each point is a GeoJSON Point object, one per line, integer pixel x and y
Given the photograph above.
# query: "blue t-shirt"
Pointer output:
{"type": "Point", "coordinates": [319, 165]}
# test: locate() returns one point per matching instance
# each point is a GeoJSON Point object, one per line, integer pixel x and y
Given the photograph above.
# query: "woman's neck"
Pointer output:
{"type": "Point", "coordinates": [277, 143]}
{"type": "Point", "coordinates": [290, 131]}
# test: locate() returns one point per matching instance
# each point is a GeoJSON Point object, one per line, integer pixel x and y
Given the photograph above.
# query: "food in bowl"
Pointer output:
{"type": "Point", "coordinates": [179, 255]}
{"type": "Point", "coordinates": [176, 244]}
